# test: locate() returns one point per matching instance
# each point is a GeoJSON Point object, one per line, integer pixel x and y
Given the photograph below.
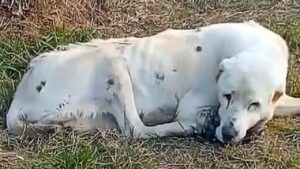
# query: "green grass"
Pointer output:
{"type": "Point", "coordinates": [279, 147]}
{"type": "Point", "coordinates": [76, 153]}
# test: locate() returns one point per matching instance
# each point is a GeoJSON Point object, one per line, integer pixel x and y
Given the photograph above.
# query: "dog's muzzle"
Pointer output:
{"type": "Point", "coordinates": [229, 132]}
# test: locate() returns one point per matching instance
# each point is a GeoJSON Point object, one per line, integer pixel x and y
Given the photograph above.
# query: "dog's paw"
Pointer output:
{"type": "Point", "coordinates": [139, 134]}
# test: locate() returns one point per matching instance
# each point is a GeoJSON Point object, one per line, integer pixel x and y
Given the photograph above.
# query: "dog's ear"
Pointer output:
{"type": "Point", "coordinates": [277, 96]}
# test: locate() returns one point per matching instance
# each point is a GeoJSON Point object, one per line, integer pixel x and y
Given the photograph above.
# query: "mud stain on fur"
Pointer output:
{"type": "Point", "coordinates": [40, 86]}
{"type": "Point", "coordinates": [198, 48]}
{"type": "Point", "coordinates": [159, 76]}
{"type": "Point", "coordinates": [110, 82]}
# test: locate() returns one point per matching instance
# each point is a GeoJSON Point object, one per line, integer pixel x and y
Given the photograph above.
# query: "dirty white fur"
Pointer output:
{"type": "Point", "coordinates": [155, 85]}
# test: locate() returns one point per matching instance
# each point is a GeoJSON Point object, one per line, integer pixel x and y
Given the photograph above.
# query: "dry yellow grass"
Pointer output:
{"type": "Point", "coordinates": [34, 26]}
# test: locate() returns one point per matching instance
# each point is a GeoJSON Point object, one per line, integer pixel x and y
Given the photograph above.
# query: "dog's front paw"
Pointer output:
{"type": "Point", "coordinates": [137, 133]}
{"type": "Point", "coordinates": [188, 129]}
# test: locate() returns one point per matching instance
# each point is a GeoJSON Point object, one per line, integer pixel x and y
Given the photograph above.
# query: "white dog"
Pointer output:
{"type": "Point", "coordinates": [159, 85]}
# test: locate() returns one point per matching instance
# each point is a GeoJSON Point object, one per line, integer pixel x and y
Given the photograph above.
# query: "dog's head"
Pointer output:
{"type": "Point", "coordinates": [247, 93]}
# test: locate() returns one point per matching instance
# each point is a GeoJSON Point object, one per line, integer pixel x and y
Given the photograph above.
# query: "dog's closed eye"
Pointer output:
{"type": "Point", "coordinates": [253, 106]}
{"type": "Point", "coordinates": [228, 98]}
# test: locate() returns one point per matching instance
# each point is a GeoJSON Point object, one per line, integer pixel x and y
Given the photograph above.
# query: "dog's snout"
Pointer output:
{"type": "Point", "coordinates": [229, 132]}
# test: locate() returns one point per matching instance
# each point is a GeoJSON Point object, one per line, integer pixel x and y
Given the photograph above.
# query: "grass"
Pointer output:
{"type": "Point", "coordinates": [36, 27]}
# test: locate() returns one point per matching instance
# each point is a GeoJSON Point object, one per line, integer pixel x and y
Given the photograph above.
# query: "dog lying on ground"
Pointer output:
{"type": "Point", "coordinates": [161, 85]}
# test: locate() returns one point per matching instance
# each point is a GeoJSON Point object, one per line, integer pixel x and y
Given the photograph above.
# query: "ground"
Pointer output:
{"type": "Point", "coordinates": [31, 27]}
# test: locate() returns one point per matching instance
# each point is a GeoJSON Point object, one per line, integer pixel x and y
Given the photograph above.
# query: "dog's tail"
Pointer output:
{"type": "Point", "coordinates": [287, 106]}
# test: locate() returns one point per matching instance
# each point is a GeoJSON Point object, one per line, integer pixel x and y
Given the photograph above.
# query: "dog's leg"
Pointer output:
{"type": "Point", "coordinates": [127, 117]}
{"type": "Point", "coordinates": [287, 106]}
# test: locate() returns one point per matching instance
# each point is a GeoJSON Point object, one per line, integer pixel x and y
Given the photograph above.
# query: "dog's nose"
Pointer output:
{"type": "Point", "coordinates": [229, 133]}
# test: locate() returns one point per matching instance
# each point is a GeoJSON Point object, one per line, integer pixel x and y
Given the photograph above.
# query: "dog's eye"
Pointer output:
{"type": "Point", "coordinates": [228, 97]}
{"type": "Point", "coordinates": [253, 106]}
